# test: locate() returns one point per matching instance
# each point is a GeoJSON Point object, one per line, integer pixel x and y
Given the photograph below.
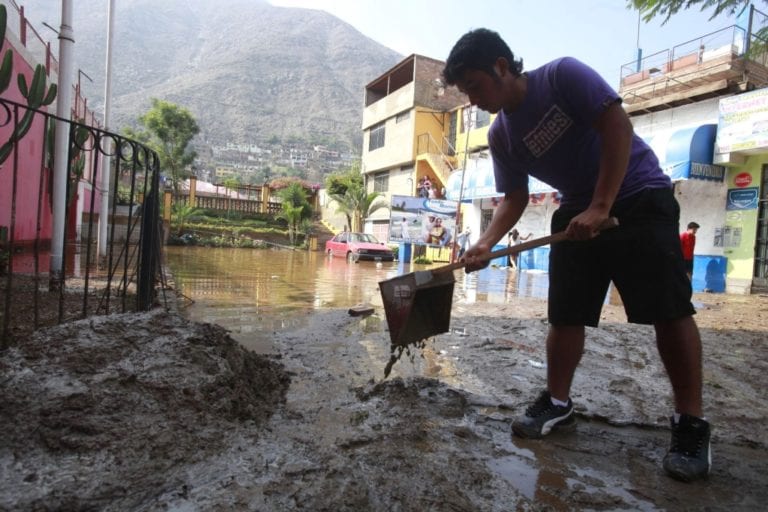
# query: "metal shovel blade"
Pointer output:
{"type": "Point", "coordinates": [417, 305]}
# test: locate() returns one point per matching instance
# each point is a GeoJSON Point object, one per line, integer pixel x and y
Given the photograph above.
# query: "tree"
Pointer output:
{"type": "Point", "coordinates": [169, 130]}
{"type": "Point", "coordinates": [357, 205]}
{"type": "Point", "coordinates": [296, 208]}
{"type": "Point", "coordinates": [667, 8]}
{"type": "Point", "coordinates": [339, 182]}
{"type": "Point", "coordinates": [181, 213]}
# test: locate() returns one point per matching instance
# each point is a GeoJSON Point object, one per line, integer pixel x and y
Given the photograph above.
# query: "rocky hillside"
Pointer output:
{"type": "Point", "coordinates": [247, 70]}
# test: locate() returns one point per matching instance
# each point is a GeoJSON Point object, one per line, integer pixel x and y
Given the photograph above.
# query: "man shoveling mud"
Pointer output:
{"type": "Point", "coordinates": [564, 125]}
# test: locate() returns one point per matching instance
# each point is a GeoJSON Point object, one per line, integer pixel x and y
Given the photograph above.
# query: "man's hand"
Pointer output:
{"type": "Point", "coordinates": [586, 225]}
{"type": "Point", "coordinates": [474, 257]}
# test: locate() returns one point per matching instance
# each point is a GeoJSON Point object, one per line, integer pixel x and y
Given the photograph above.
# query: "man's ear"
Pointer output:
{"type": "Point", "coordinates": [501, 67]}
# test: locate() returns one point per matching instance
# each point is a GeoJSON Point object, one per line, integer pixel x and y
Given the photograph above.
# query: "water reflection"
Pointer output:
{"type": "Point", "coordinates": [255, 292]}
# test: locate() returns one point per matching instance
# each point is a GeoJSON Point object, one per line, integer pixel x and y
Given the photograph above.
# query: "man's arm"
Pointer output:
{"type": "Point", "coordinates": [615, 131]}
{"type": "Point", "coordinates": [506, 215]}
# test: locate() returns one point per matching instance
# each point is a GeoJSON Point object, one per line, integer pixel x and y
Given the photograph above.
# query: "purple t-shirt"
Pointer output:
{"type": "Point", "coordinates": [551, 136]}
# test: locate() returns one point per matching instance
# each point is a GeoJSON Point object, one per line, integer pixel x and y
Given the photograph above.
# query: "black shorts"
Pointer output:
{"type": "Point", "coordinates": [642, 257]}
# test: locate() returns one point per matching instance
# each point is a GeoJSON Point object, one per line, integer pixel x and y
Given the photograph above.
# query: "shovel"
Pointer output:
{"type": "Point", "coordinates": [418, 305]}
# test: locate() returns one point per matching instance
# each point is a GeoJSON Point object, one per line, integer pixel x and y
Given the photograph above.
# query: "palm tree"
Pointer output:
{"type": "Point", "coordinates": [357, 205]}
{"type": "Point", "coordinates": [293, 216]}
{"type": "Point", "coordinates": [182, 213]}
{"type": "Point", "coordinates": [296, 208]}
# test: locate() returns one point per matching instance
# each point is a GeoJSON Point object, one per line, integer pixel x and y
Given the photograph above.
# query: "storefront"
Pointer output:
{"type": "Point", "coordinates": [686, 156]}
{"type": "Point", "coordinates": [742, 146]}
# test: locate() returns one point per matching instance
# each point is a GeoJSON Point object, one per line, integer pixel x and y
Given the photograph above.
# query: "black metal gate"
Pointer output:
{"type": "Point", "coordinates": [760, 279]}
{"type": "Point", "coordinates": [124, 277]}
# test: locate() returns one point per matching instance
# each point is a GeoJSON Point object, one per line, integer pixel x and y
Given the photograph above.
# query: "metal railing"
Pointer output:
{"type": "Point", "coordinates": [727, 42]}
{"type": "Point", "coordinates": [124, 275]}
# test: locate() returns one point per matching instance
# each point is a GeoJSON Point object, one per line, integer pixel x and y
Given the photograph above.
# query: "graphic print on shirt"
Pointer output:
{"type": "Point", "coordinates": [549, 130]}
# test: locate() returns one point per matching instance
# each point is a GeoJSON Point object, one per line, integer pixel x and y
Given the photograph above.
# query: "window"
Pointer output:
{"type": "Point", "coordinates": [402, 116]}
{"type": "Point", "coordinates": [482, 118]}
{"type": "Point", "coordinates": [381, 182]}
{"type": "Point", "coordinates": [477, 118]}
{"type": "Point", "coordinates": [486, 214]}
{"type": "Point", "coordinates": [376, 140]}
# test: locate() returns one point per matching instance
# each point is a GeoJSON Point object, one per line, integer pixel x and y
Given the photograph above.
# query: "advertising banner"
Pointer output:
{"type": "Point", "coordinates": [421, 221]}
{"type": "Point", "coordinates": [742, 198]}
{"type": "Point", "coordinates": [743, 122]}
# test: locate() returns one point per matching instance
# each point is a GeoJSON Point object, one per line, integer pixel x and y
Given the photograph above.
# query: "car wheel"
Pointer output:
{"type": "Point", "coordinates": [351, 257]}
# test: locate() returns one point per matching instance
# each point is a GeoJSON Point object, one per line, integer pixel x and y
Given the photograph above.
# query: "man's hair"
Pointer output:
{"type": "Point", "coordinates": [693, 225]}
{"type": "Point", "coordinates": [478, 49]}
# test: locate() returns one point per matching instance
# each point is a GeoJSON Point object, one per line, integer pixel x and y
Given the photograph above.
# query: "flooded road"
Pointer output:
{"type": "Point", "coordinates": [255, 292]}
{"type": "Point", "coordinates": [435, 434]}
{"type": "Point", "coordinates": [151, 412]}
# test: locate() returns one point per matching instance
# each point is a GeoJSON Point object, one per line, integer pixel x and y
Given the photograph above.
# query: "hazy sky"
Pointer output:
{"type": "Point", "coordinates": [602, 33]}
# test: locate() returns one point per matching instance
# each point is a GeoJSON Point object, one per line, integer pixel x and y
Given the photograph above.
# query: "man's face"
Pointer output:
{"type": "Point", "coordinates": [483, 90]}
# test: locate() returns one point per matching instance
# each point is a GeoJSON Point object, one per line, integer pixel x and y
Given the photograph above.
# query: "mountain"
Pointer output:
{"type": "Point", "coordinates": [247, 70]}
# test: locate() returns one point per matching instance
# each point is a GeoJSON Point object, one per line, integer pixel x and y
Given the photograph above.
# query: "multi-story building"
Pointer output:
{"type": "Point", "coordinates": [408, 126]}
{"type": "Point", "coordinates": [701, 106]}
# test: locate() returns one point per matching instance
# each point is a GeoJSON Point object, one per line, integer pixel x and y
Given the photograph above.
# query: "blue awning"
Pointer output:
{"type": "Point", "coordinates": [480, 182]}
{"type": "Point", "coordinates": [687, 153]}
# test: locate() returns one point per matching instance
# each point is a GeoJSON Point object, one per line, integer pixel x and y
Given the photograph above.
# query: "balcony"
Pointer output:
{"type": "Point", "coordinates": [717, 64]}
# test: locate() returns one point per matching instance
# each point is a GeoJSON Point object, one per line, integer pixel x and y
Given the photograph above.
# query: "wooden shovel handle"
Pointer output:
{"type": "Point", "coordinates": [611, 222]}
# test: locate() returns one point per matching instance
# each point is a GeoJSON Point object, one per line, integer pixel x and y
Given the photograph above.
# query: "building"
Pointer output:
{"type": "Point", "coordinates": [408, 125]}
{"type": "Point", "coordinates": [700, 105]}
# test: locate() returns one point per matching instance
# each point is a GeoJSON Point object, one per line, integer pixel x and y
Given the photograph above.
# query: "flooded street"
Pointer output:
{"type": "Point", "coordinates": [154, 412]}
{"type": "Point", "coordinates": [435, 434]}
{"type": "Point", "coordinates": [253, 293]}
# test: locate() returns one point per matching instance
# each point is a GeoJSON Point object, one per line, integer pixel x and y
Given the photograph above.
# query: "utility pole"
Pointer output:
{"type": "Point", "coordinates": [61, 146]}
{"type": "Point", "coordinates": [106, 168]}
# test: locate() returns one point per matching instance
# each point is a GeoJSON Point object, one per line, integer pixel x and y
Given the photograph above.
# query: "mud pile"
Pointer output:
{"type": "Point", "coordinates": [103, 411]}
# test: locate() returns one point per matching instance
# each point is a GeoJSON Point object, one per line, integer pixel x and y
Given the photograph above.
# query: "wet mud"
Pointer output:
{"type": "Point", "coordinates": [150, 412]}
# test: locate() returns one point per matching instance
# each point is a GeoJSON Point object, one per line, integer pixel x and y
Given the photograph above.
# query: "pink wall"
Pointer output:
{"type": "Point", "coordinates": [29, 173]}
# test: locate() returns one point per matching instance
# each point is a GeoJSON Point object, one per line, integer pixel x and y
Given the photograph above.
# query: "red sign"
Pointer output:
{"type": "Point", "coordinates": [743, 179]}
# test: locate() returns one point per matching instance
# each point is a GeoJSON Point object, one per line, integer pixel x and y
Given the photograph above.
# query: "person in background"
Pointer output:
{"type": "Point", "coordinates": [514, 238]}
{"type": "Point", "coordinates": [421, 189]}
{"type": "Point", "coordinates": [404, 230]}
{"type": "Point", "coordinates": [563, 124]}
{"type": "Point", "coordinates": [688, 243]}
{"type": "Point", "coordinates": [463, 241]}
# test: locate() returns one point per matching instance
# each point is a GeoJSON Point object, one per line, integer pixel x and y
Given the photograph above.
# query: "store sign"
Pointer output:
{"type": "Point", "coordinates": [742, 198]}
{"type": "Point", "coordinates": [743, 179]}
{"type": "Point", "coordinates": [742, 122]}
{"type": "Point", "coordinates": [707, 172]}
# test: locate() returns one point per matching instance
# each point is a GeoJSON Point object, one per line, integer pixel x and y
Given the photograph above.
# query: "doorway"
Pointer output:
{"type": "Point", "coordinates": [760, 277]}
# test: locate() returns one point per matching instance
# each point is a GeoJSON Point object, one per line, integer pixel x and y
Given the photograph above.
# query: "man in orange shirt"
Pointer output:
{"type": "Point", "coordinates": [688, 242]}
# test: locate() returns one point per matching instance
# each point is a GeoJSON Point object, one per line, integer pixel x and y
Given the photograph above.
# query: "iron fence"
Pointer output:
{"type": "Point", "coordinates": [117, 272]}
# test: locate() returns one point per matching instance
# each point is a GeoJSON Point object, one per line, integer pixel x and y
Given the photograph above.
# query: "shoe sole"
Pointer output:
{"type": "Point", "coordinates": [566, 424]}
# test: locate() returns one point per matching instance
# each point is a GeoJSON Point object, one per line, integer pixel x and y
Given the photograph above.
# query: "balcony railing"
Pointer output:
{"type": "Point", "coordinates": [725, 43]}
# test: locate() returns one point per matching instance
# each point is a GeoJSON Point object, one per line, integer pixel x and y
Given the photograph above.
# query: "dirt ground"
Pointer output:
{"type": "Point", "coordinates": [152, 412]}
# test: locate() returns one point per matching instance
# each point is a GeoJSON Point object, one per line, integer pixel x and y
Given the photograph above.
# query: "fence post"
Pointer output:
{"type": "Point", "coordinates": [167, 205]}
{"type": "Point", "coordinates": [265, 198]}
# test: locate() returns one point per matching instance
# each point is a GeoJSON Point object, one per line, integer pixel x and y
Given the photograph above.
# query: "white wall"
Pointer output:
{"type": "Point", "coordinates": [702, 112]}
{"type": "Point", "coordinates": [702, 202]}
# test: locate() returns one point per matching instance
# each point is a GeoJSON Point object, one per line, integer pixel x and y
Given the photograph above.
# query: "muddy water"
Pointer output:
{"type": "Point", "coordinates": [256, 292]}
{"type": "Point", "coordinates": [435, 435]}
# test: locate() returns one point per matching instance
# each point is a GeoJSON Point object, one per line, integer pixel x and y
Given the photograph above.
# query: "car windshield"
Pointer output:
{"type": "Point", "coordinates": [362, 238]}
